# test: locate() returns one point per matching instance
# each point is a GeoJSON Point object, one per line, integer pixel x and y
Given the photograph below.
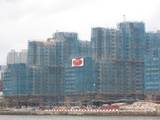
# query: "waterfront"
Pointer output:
{"type": "Point", "coordinates": [116, 109]}
{"type": "Point", "coordinates": [28, 117]}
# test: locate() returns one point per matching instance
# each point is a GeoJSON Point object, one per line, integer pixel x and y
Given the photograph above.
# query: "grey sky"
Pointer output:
{"type": "Point", "coordinates": [23, 20]}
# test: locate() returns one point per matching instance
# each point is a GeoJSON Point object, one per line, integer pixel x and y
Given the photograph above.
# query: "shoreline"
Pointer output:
{"type": "Point", "coordinates": [118, 109]}
{"type": "Point", "coordinates": [39, 112]}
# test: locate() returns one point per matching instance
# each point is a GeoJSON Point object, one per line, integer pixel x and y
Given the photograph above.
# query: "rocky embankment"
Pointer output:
{"type": "Point", "coordinates": [121, 109]}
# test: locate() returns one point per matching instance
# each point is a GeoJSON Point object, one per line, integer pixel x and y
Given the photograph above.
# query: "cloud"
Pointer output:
{"type": "Point", "coordinates": [23, 20]}
{"type": "Point", "coordinates": [16, 9]}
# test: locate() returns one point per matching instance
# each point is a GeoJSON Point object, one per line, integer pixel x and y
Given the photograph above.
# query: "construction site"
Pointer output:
{"type": "Point", "coordinates": [64, 70]}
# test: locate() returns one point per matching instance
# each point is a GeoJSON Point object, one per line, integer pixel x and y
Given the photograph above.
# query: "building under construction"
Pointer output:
{"type": "Point", "coordinates": [80, 81]}
{"type": "Point", "coordinates": [119, 54]}
{"type": "Point", "coordinates": [109, 68]}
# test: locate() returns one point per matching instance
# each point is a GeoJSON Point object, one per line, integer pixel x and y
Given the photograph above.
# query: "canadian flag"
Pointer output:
{"type": "Point", "coordinates": [78, 62]}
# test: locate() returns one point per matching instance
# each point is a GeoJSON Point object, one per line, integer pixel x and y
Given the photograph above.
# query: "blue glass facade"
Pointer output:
{"type": "Point", "coordinates": [80, 81]}
{"type": "Point", "coordinates": [133, 50]}
{"type": "Point", "coordinates": [152, 65]}
{"type": "Point", "coordinates": [133, 40]}
{"type": "Point", "coordinates": [152, 72]}
{"type": "Point", "coordinates": [15, 80]}
{"type": "Point", "coordinates": [114, 66]}
{"type": "Point", "coordinates": [67, 46]}
{"type": "Point", "coordinates": [119, 54]}
{"type": "Point", "coordinates": [46, 61]}
{"type": "Point", "coordinates": [152, 42]}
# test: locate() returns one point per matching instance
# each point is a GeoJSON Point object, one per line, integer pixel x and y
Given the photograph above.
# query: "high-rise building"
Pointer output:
{"type": "Point", "coordinates": [106, 49]}
{"type": "Point", "coordinates": [133, 40]}
{"type": "Point", "coordinates": [110, 67]}
{"type": "Point", "coordinates": [105, 43]}
{"type": "Point", "coordinates": [45, 74]}
{"type": "Point", "coordinates": [152, 42]}
{"type": "Point", "coordinates": [133, 45]}
{"type": "Point", "coordinates": [80, 80]}
{"type": "Point", "coordinates": [152, 75]}
{"type": "Point", "coordinates": [14, 80]}
{"type": "Point", "coordinates": [22, 56]}
{"type": "Point", "coordinates": [67, 46]}
{"type": "Point", "coordinates": [46, 84]}
{"type": "Point", "coordinates": [120, 57]}
{"type": "Point", "coordinates": [85, 48]}
{"type": "Point", "coordinates": [151, 66]}
{"type": "Point", "coordinates": [14, 57]}
{"type": "Point", "coordinates": [2, 70]}
{"type": "Point", "coordinates": [46, 61]}
{"type": "Point", "coordinates": [41, 53]}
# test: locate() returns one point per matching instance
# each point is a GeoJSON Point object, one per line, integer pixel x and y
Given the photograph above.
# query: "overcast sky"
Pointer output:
{"type": "Point", "coordinates": [23, 20]}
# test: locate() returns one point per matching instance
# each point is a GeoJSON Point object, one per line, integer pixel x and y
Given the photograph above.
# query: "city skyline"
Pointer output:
{"type": "Point", "coordinates": [27, 20]}
{"type": "Point", "coordinates": [117, 64]}
{"type": "Point", "coordinates": [112, 69]}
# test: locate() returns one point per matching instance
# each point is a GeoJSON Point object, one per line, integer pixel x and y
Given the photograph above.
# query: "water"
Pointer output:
{"type": "Point", "coordinates": [21, 117]}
